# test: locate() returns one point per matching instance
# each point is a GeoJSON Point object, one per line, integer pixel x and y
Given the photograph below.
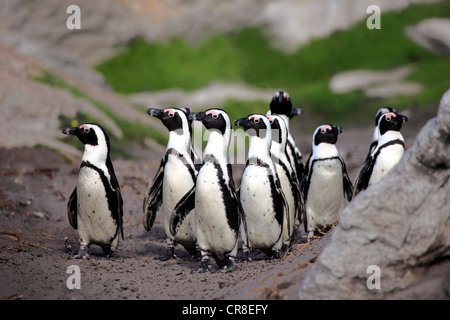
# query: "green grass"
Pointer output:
{"type": "Point", "coordinates": [155, 66]}
{"type": "Point", "coordinates": [247, 55]}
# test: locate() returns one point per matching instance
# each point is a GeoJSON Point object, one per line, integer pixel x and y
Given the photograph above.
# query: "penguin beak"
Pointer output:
{"type": "Point", "coordinates": [242, 122]}
{"type": "Point", "coordinates": [72, 131]}
{"type": "Point", "coordinates": [199, 116]}
{"type": "Point", "coordinates": [403, 118]}
{"type": "Point", "coordinates": [296, 112]}
{"type": "Point", "coordinates": [339, 130]}
{"type": "Point", "coordinates": [154, 112]}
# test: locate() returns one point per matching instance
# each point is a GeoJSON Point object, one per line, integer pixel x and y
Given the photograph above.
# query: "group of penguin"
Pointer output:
{"type": "Point", "coordinates": [202, 208]}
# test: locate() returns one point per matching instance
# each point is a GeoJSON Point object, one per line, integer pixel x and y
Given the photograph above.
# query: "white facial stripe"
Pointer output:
{"type": "Point", "coordinates": [85, 127]}
{"type": "Point", "coordinates": [170, 111]}
{"type": "Point", "coordinates": [212, 112]}
{"type": "Point", "coordinates": [389, 115]}
{"type": "Point", "coordinates": [324, 128]}
{"type": "Point", "coordinates": [256, 118]}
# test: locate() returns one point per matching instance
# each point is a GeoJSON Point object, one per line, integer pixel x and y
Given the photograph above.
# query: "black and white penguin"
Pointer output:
{"type": "Point", "coordinates": [217, 207]}
{"type": "Point", "coordinates": [281, 104]}
{"type": "Point", "coordinates": [288, 179]}
{"type": "Point", "coordinates": [175, 177]}
{"type": "Point", "coordinates": [326, 183]}
{"type": "Point", "coordinates": [95, 207]}
{"type": "Point", "coordinates": [374, 141]}
{"type": "Point", "coordinates": [260, 191]}
{"type": "Point", "coordinates": [389, 149]}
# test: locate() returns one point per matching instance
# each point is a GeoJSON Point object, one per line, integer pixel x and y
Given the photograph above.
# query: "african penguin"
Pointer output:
{"type": "Point", "coordinates": [217, 207]}
{"type": "Point", "coordinates": [387, 152]}
{"type": "Point", "coordinates": [288, 180]}
{"type": "Point", "coordinates": [260, 191]}
{"type": "Point", "coordinates": [281, 104]}
{"type": "Point", "coordinates": [326, 182]}
{"type": "Point", "coordinates": [95, 207]}
{"type": "Point", "coordinates": [174, 178]}
{"type": "Point", "coordinates": [374, 141]}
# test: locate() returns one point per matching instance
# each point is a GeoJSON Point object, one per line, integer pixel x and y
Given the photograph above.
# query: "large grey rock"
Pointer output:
{"type": "Point", "coordinates": [376, 84]}
{"type": "Point", "coordinates": [433, 34]}
{"type": "Point", "coordinates": [401, 224]}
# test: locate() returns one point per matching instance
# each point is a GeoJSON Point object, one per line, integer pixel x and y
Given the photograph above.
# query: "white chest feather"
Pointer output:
{"type": "Point", "coordinates": [95, 222]}
{"type": "Point", "coordinates": [211, 224]}
{"type": "Point", "coordinates": [257, 202]}
{"type": "Point", "coordinates": [385, 161]}
{"type": "Point", "coordinates": [177, 182]}
{"type": "Point", "coordinates": [325, 199]}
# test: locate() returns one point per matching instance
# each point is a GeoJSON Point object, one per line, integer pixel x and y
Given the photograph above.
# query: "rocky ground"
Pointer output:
{"type": "Point", "coordinates": [37, 243]}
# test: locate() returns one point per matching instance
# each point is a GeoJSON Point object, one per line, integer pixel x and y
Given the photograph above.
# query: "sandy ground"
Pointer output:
{"type": "Point", "coordinates": [37, 243]}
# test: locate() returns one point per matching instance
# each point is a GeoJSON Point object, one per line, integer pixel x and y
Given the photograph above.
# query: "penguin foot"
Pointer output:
{"type": "Point", "coordinates": [229, 266]}
{"type": "Point", "coordinates": [310, 236]}
{"type": "Point", "coordinates": [197, 256]}
{"type": "Point", "coordinates": [276, 255]}
{"type": "Point", "coordinates": [170, 254]}
{"type": "Point", "coordinates": [82, 253]}
{"type": "Point", "coordinates": [245, 256]}
{"type": "Point", "coordinates": [205, 265]}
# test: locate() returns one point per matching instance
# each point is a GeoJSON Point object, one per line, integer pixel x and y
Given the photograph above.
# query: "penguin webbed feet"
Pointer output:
{"type": "Point", "coordinates": [109, 251]}
{"type": "Point", "coordinates": [170, 254]}
{"type": "Point", "coordinates": [245, 257]}
{"type": "Point", "coordinates": [197, 256]}
{"type": "Point", "coordinates": [276, 255]}
{"type": "Point", "coordinates": [82, 253]}
{"type": "Point", "coordinates": [229, 267]}
{"type": "Point", "coordinates": [205, 265]}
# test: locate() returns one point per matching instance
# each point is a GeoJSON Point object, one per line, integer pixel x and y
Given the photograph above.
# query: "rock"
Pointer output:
{"type": "Point", "coordinates": [216, 93]}
{"type": "Point", "coordinates": [433, 34]}
{"type": "Point", "coordinates": [31, 109]}
{"type": "Point", "coordinates": [401, 224]}
{"type": "Point", "coordinates": [375, 84]}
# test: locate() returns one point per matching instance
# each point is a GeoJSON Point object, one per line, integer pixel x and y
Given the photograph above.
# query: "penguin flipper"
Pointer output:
{"type": "Point", "coordinates": [348, 186]}
{"type": "Point", "coordinates": [243, 221]}
{"type": "Point", "coordinates": [362, 180]}
{"type": "Point", "coordinates": [72, 209]}
{"type": "Point", "coordinates": [153, 197]}
{"type": "Point", "coordinates": [299, 165]}
{"type": "Point", "coordinates": [304, 187]}
{"type": "Point", "coordinates": [182, 209]}
{"type": "Point", "coordinates": [120, 210]}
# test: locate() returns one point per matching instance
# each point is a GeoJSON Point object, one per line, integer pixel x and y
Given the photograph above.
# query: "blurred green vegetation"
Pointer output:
{"type": "Point", "coordinates": [247, 55]}
{"type": "Point", "coordinates": [133, 132]}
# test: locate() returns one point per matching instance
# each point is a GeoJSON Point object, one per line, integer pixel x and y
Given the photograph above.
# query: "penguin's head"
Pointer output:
{"type": "Point", "coordinates": [213, 119]}
{"type": "Point", "coordinates": [279, 129]}
{"type": "Point", "coordinates": [89, 134]}
{"type": "Point", "coordinates": [382, 111]}
{"type": "Point", "coordinates": [254, 124]}
{"type": "Point", "coordinates": [391, 121]}
{"type": "Point", "coordinates": [173, 118]}
{"type": "Point", "coordinates": [281, 103]}
{"type": "Point", "coordinates": [326, 133]}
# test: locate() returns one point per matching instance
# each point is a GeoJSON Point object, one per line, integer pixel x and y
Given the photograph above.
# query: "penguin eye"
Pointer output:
{"type": "Point", "coordinates": [85, 129]}
{"type": "Point", "coordinates": [171, 115]}
{"type": "Point", "coordinates": [388, 118]}
{"type": "Point", "coordinates": [256, 120]}
{"type": "Point", "coordinates": [214, 116]}
{"type": "Point", "coordinates": [323, 130]}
